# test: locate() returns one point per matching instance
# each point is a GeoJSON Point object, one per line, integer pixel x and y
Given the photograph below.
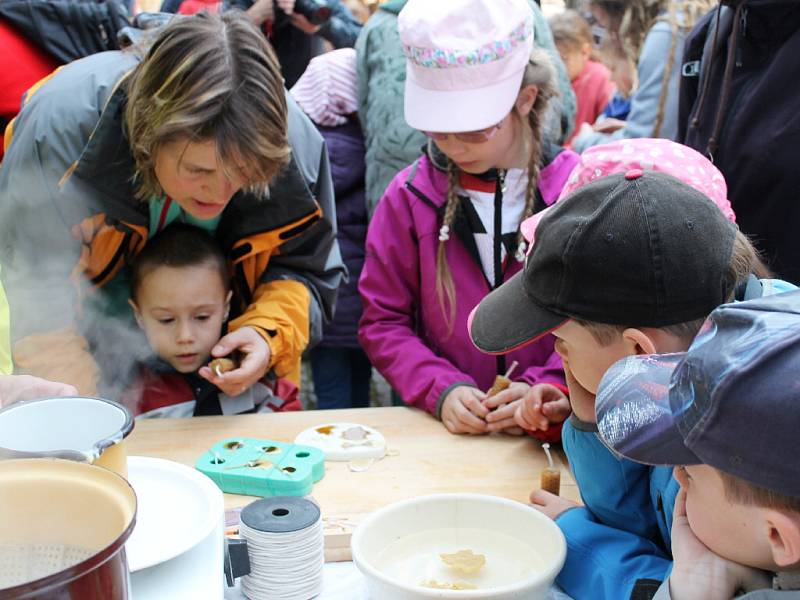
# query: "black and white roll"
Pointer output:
{"type": "Point", "coordinates": [286, 549]}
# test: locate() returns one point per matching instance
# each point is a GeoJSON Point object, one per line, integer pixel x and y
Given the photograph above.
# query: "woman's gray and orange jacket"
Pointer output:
{"type": "Point", "coordinates": [69, 221]}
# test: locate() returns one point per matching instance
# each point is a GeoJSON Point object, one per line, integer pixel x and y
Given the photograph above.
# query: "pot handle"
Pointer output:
{"type": "Point", "coordinates": [237, 561]}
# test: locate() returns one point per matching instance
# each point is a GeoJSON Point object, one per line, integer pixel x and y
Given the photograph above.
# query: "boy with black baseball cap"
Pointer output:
{"type": "Point", "coordinates": [728, 412]}
{"type": "Point", "coordinates": [628, 264]}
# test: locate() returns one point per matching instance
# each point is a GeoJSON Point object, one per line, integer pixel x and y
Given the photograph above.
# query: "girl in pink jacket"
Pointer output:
{"type": "Point", "coordinates": [446, 231]}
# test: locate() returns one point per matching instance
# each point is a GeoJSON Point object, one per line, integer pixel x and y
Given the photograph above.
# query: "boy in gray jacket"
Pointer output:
{"type": "Point", "coordinates": [727, 412]}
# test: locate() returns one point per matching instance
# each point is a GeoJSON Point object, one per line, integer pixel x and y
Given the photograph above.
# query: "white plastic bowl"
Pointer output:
{"type": "Point", "coordinates": [458, 511]}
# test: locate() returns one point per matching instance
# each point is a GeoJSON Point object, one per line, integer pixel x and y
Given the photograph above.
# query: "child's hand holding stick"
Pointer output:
{"type": "Point", "coordinates": [254, 354]}
{"type": "Point", "coordinates": [502, 399]}
{"type": "Point", "coordinates": [501, 382]}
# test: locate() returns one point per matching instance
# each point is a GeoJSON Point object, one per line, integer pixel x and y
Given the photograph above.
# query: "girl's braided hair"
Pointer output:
{"type": "Point", "coordinates": [539, 72]}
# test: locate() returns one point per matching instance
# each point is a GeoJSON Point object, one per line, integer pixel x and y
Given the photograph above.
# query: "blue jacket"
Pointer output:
{"type": "Point", "coordinates": [617, 108]}
{"type": "Point", "coordinates": [619, 543]}
{"type": "Point", "coordinates": [620, 539]}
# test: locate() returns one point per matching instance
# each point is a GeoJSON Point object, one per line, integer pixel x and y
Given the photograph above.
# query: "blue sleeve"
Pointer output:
{"type": "Point", "coordinates": [342, 28]}
{"type": "Point", "coordinates": [616, 490]}
{"type": "Point", "coordinates": [604, 563]}
{"type": "Point", "coordinates": [644, 101]}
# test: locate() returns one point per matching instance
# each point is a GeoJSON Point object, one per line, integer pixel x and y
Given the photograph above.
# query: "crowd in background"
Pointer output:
{"type": "Point", "coordinates": [622, 70]}
{"type": "Point", "coordinates": [576, 225]}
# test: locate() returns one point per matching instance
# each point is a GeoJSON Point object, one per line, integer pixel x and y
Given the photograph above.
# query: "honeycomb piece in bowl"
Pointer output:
{"type": "Point", "coordinates": [455, 585]}
{"type": "Point", "coordinates": [465, 562]}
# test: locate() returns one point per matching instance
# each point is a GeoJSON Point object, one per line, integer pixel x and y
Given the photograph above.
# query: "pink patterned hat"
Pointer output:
{"type": "Point", "coordinates": [464, 61]}
{"type": "Point", "coordinates": [328, 89]}
{"type": "Point", "coordinates": [645, 154]}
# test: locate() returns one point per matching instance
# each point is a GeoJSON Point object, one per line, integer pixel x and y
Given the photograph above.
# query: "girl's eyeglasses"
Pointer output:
{"type": "Point", "coordinates": [470, 137]}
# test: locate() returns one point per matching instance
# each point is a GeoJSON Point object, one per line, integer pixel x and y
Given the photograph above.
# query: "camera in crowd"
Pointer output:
{"type": "Point", "coordinates": [316, 11]}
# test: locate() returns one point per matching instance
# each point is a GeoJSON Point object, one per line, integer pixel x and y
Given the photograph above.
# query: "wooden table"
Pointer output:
{"type": "Point", "coordinates": [429, 460]}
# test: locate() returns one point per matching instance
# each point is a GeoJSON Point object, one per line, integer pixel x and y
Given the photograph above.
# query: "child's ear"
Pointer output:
{"type": "Point", "coordinates": [586, 50]}
{"type": "Point", "coordinates": [784, 537]}
{"type": "Point", "coordinates": [526, 99]}
{"type": "Point", "coordinates": [637, 342]}
{"type": "Point", "coordinates": [136, 313]}
{"type": "Point", "coordinates": [227, 305]}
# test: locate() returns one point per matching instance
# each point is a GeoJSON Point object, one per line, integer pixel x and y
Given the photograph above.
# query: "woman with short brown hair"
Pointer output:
{"type": "Point", "coordinates": [112, 148]}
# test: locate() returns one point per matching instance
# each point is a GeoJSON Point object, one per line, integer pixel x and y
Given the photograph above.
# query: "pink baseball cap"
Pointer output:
{"type": "Point", "coordinates": [464, 61]}
{"type": "Point", "coordinates": [644, 154]}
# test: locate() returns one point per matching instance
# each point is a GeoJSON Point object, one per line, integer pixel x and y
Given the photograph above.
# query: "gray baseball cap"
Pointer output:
{"type": "Point", "coordinates": [732, 401]}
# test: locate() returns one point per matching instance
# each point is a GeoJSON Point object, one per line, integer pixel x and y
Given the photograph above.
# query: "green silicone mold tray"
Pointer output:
{"type": "Point", "coordinates": [262, 467]}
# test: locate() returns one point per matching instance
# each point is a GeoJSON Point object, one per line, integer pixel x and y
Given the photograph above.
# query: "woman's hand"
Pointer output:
{"type": "Point", "coordinates": [550, 504]}
{"type": "Point", "coordinates": [26, 387]}
{"type": "Point", "coordinates": [463, 410]}
{"type": "Point", "coordinates": [543, 405]}
{"type": "Point", "coordinates": [254, 364]}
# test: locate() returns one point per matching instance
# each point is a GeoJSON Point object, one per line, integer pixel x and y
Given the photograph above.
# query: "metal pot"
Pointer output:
{"type": "Point", "coordinates": [89, 430]}
{"type": "Point", "coordinates": [64, 525]}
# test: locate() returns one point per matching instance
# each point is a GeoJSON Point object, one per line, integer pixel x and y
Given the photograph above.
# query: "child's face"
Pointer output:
{"type": "Point", "coordinates": [574, 58]}
{"type": "Point", "coordinates": [182, 310]}
{"type": "Point", "coordinates": [587, 358]}
{"type": "Point", "coordinates": [505, 149]}
{"type": "Point", "coordinates": [731, 530]}
{"type": "Point", "coordinates": [622, 74]}
{"type": "Point", "coordinates": [479, 157]}
{"type": "Point", "coordinates": [190, 173]}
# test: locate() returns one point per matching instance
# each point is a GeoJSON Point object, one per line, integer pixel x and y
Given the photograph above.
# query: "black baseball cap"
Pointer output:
{"type": "Point", "coordinates": [732, 401]}
{"type": "Point", "coordinates": [640, 248]}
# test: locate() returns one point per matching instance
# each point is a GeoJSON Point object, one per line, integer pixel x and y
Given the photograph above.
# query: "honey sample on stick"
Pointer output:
{"type": "Point", "coordinates": [550, 478]}
{"type": "Point", "coordinates": [501, 382]}
{"type": "Point", "coordinates": [222, 365]}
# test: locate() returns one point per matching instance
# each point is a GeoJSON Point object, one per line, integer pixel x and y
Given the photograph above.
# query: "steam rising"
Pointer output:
{"type": "Point", "coordinates": [40, 245]}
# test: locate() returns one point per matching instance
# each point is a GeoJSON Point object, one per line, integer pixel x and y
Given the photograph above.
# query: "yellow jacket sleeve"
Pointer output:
{"type": "Point", "coordinates": [279, 312]}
